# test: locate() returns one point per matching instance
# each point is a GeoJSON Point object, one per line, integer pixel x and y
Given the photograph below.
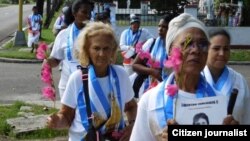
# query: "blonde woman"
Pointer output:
{"type": "Point", "coordinates": [109, 89]}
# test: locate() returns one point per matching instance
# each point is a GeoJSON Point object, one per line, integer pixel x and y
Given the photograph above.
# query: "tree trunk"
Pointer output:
{"type": "Point", "coordinates": [55, 7]}
{"type": "Point", "coordinates": [48, 12]}
{"type": "Point", "coordinates": [39, 4]}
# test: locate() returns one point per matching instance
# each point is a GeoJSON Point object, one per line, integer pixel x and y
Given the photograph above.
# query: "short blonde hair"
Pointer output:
{"type": "Point", "coordinates": [90, 30]}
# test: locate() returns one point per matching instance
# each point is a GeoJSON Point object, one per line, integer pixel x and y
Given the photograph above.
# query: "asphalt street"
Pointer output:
{"type": "Point", "coordinates": [9, 20]}
{"type": "Point", "coordinates": [21, 81]}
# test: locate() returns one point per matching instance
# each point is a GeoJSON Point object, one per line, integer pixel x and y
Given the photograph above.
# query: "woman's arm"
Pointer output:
{"type": "Point", "coordinates": [131, 110]}
{"type": "Point", "coordinates": [140, 67]}
{"type": "Point", "coordinates": [62, 119]}
{"type": "Point", "coordinates": [53, 62]}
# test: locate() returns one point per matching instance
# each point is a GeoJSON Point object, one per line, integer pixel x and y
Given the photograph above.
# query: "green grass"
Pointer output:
{"type": "Point", "coordinates": [10, 111]}
{"type": "Point", "coordinates": [4, 5]}
{"type": "Point", "coordinates": [240, 55]}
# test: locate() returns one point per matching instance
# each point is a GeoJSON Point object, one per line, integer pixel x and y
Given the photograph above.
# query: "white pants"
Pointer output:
{"type": "Point", "coordinates": [33, 39]}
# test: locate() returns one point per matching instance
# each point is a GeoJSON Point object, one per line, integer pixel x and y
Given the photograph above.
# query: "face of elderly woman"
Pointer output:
{"type": "Point", "coordinates": [101, 51]}
{"type": "Point", "coordinates": [219, 52]}
{"type": "Point", "coordinates": [195, 54]}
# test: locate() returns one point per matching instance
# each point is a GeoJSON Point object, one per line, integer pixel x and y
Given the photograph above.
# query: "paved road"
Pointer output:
{"type": "Point", "coordinates": [9, 20]}
{"type": "Point", "coordinates": [21, 81]}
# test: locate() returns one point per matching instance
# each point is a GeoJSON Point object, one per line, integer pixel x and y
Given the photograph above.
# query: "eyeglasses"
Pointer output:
{"type": "Point", "coordinates": [201, 45]}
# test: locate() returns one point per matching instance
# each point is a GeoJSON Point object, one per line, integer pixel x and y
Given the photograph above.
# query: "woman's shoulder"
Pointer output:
{"type": "Point", "coordinates": [76, 74]}
{"type": "Point", "coordinates": [153, 98]}
{"type": "Point", "coordinates": [234, 72]}
{"type": "Point", "coordinates": [62, 35]}
{"type": "Point", "coordinates": [119, 68]}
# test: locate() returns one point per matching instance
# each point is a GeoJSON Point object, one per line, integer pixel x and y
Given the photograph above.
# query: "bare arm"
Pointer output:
{"type": "Point", "coordinates": [140, 67]}
{"type": "Point", "coordinates": [53, 62]}
{"type": "Point", "coordinates": [131, 110]}
{"type": "Point", "coordinates": [62, 119]}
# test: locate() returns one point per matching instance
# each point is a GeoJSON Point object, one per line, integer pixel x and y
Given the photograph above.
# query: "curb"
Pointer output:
{"type": "Point", "coordinates": [12, 60]}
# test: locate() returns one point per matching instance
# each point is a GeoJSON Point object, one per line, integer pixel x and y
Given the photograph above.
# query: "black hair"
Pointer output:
{"type": "Point", "coordinates": [199, 116]}
{"type": "Point", "coordinates": [168, 17]}
{"type": "Point", "coordinates": [219, 31]}
{"type": "Point", "coordinates": [73, 8]}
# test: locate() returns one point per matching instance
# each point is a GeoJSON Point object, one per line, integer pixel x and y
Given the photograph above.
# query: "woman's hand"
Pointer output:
{"type": "Point", "coordinates": [164, 135]}
{"type": "Point", "coordinates": [229, 120]}
{"type": "Point", "coordinates": [55, 121]}
{"type": "Point", "coordinates": [62, 119]}
{"type": "Point", "coordinates": [156, 73]}
{"type": "Point", "coordinates": [127, 132]}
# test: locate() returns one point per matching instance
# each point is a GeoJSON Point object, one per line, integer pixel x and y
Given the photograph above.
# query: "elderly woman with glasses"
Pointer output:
{"type": "Point", "coordinates": [186, 43]}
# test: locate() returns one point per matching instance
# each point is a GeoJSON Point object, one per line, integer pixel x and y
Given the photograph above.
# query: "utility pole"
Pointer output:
{"type": "Point", "coordinates": [20, 36]}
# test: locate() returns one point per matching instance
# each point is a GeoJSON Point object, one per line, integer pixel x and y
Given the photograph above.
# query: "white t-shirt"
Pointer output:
{"type": "Point", "coordinates": [145, 35]}
{"type": "Point", "coordinates": [147, 126]}
{"type": "Point", "coordinates": [77, 131]}
{"type": "Point", "coordinates": [150, 119]}
{"type": "Point", "coordinates": [59, 52]}
{"type": "Point", "coordinates": [234, 80]}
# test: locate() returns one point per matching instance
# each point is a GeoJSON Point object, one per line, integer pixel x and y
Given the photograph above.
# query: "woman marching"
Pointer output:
{"type": "Point", "coordinates": [187, 44]}
{"type": "Point", "coordinates": [99, 93]}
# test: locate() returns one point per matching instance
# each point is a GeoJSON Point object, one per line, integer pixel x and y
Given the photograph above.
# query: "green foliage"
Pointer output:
{"type": "Point", "coordinates": [9, 51]}
{"type": "Point", "coordinates": [5, 1]}
{"type": "Point", "coordinates": [240, 55]}
{"type": "Point", "coordinates": [42, 134]}
{"type": "Point", "coordinates": [13, 52]}
{"type": "Point", "coordinates": [246, 11]}
{"type": "Point", "coordinates": [10, 111]}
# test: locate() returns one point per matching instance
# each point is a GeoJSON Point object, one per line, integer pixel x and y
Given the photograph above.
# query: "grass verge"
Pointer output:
{"type": "Point", "coordinates": [11, 111]}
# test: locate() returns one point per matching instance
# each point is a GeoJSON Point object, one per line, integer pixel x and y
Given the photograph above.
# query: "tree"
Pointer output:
{"type": "Point", "coordinates": [245, 14]}
{"type": "Point", "coordinates": [51, 11]}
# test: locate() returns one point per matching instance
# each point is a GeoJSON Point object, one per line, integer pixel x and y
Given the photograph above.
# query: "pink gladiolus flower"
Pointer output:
{"type": "Point", "coordinates": [154, 64]}
{"type": "Point", "coordinates": [138, 47]}
{"type": "Point", "coordinates": [172, 89]}
{"type": "Point", "coordinates": [46, 77]}
{"type": "Point", "coordinates": [175, 59]}
{"type": "Point", "coordinates": [40, 55]}
{"type": "Point", "coordinates": [46, 66]}
{"type": "Point", "coordinates": [49, 93]}
{"type": "Point", "coordinates": [42, 51]}
{"type": "Point", "coordinates": [144, 55]}
{"type": "Point", "coordinates": [42, 46]}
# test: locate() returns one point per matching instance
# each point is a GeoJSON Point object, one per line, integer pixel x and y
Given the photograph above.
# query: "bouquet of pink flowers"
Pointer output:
{"type": "Point", "coordinates": [150, 61]}
{"type": "Point", "coordinates": [175, 62]}
{"type": "Point", "coordinates": [48, 91]}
